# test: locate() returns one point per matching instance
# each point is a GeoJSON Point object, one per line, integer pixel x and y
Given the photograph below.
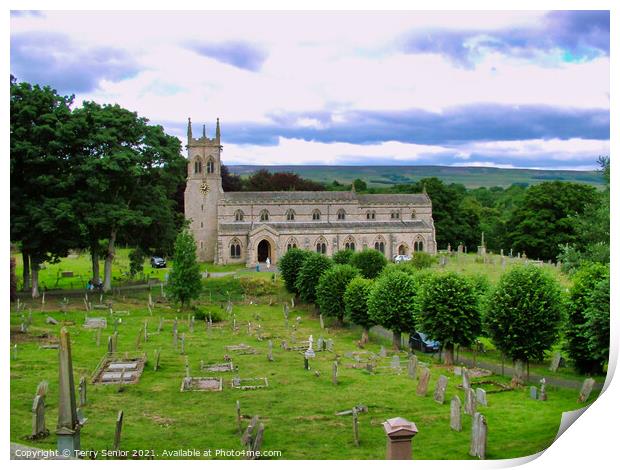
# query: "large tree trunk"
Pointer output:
{"type": "Point", "coordinates": [26, 273]}
{"type": "Point", "coordinates": [365, 335]}
{"type": "Point", "coordinates": [448, 356]}
{"type": "Point", "coordinates": [396, 340]}
{"type": "Point", "coordinates": [35, 279]}
{"type": "Point", "coordinates": [94, 256]}
{"type": "Point", "coordinates": [107, 270]}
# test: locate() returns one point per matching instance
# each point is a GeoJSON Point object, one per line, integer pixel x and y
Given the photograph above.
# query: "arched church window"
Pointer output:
{"type": "Point", "coordinates": [197, 167]}
{"type": "Point", "coordinates": [316, 214]}
{"type": "Point", "coordinates": [418, 245]}
{"type": "Point", "coordinates": [210, 166]}
{"type": "Point", "coordinates": [290, 214]}
{"type": "Point", "coordinates": [264, 215]}
{"type": "Point", "coordinates": [239, 216]}
{"type": "Point", "coordinates": [395, 215]}
{"type": "Point", "coordinates": [321, 247]}
{"type": "Point", "coordinates": [413, 214]}
{"type": "Point", "coordinates": [341, 214]}
{"type": "Point", "coordinates": [370, 215]}
{"type": "Point", "coordinates": [235, 249]}
{"type": "Point", "coordinates": [380, 246]}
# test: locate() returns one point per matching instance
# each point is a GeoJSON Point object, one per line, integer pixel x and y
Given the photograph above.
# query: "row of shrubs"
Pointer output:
{"type": "Point", "coordinates": [524, 315]}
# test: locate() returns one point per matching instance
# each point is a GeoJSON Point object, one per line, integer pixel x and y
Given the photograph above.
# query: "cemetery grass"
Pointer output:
{"type": "Point", "coordinates": [80, 265]}
{"type": "Point", "coordinates": [298, 409]}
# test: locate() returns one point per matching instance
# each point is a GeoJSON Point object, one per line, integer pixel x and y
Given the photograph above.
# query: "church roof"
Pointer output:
{"type": "Point", "coordinates": [279, 197]}
{"type": "Point", "coordinates": [321, 225]}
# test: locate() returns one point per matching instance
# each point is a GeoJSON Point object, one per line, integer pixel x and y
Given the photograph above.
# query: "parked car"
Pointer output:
{"type": "Point", "coordinates": [420, 341]}
{"type": "Point", "coordinates": [401, 258]}
{"type": "Point", "coordinates": [158, 262]}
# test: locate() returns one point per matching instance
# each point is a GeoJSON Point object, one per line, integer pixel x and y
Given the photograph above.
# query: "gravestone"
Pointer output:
{"type": "Point", "coordinates": [555, 362]}
{"type": "Point", "coordinates": [182, 343]}
{"type": "Point", "coordinates": [543, 390]}
{"type": "Point", "coordinates": [412, 366]}
{"type": "Point", "coordinates": [356, 434]}
{"type": "Point", "coordinates": [425, 375]}
{"type": "Point", "coordinates": [586, 390]}
{"type": "Point", "coordinates": [330, 345]}
{"type": "Point", "coordinates": [382, 352]}
{"type": "Point", "coordinates": [38, 418]}
{"type": "Point", "coordinates": [481, 397]}
{"type": "Point", "coordinates": [191, 324]}
{"type": "Point", "coordinates": [250, 383]}
{"type": "Point", "coordinates": [321, 320]}
{"type": "Point", "coordinates": [465, 376]}
{"type": "Point", "coordinates": [533, 393]}
{"type": "Point", "coordinates": [440, 389]}
{"type": "Point", "coordinates": [478, 444]}
{"type": "Point", "coordinates": [319, 344]}
{"type": "Point", "coordinates": [42, 388]}
{"type": "Point", "coordinates": [118, 430]}
{"type": "Point", "coordinates": [395, 363]}
{"type": "Point", "coordinates": [238, 417]}
{"type": "Point", "coordinates": [146, 335]}
{"type": "Point", "coordinates": [82, 391]}
{"type": "Point", "coordinates": [93, 323]}
{"type": "Point", "coordinates": [156, 365]}
{"type": "Point", "coordinates": [270, 351]}
{"type": "Point", "coordinates": [458, 371]}
{"type": "Point", "coordinates": [470, 402]}
{"type": "Point", "coordinates": [335, 373]}
{"type": "Point", "coordinates": [68, 428]}
{"type": "Point", "coordinates": [51, 321]}
{"type": "Point", "coordinates": [201, 384]}
{"type": "Point", "coordinates": [455, 414]}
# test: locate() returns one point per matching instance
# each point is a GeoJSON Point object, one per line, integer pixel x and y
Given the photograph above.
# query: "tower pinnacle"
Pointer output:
{"type": "Point", "coordinates": [189, 130]}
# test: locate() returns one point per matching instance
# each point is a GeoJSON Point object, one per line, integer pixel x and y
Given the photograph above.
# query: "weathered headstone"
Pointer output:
{"type": "Point", "coordinates": [465, 375]}
{"type": "Point", "coordinates": [51, 321]}
{"type": "Point", "coordinates": [270, 351]}
{"type": "Point", "coordinates": [533, 393]}
{"type": "Point", "coordinates": [146, 334]}
{"type": "Point", "coordinates": [329, 345]}
{"type": "Point", "coordinates": [156, 365]}
{"type": "Point", "coordinates": [82, 390]}
{"type": "Point", "coordinates": [335, 373]}
{"type": "Point", "coordinates": [42, 388]}
{"type": "Point", "coordinates": [455, 414]}
{"type": "Point", "coordinates": [395, 363]}
{"type": "Point", "coordinates": [321, 321]}
{"type": "Point", "coordinates": [356, 432]}
{"type": "Point", "coordinates": [118, 430]}
{"type": "Point", "coordinates": [478, 444]}
{"type": "Point", "coordinates": [38, 418]}
{"type": "Point", "coordinates": [470, 401]}
{"type": "Point", "coordinates": [191, 324]}
{"type": "Point", "coordinates": [586, 390]}
{"type": "Point", "coordinates": [412, 366]}
{"type": "Point", "coordinates": [182, 343]}
{"type": "Point", "coordinates": [481, 397]}
{"type": "Point", "coordinates": [440, 389]}
{"type": "Point", "coordinates": [458, 371]}
{"type": "Point", "coordinates": [425, 375]}
{"type": "Point", "coordinates": [555, 362]}
{"type": "Point", "coordinates": [382, 352]}
{"type": "Point", "coordinates": [68, 428]}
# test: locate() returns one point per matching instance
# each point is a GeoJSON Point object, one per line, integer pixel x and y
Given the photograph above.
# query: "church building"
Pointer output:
{"type": "Point", "coordinates": [249, 227]}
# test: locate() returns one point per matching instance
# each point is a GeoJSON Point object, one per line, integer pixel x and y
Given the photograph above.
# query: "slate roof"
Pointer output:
{"type": "Point", "coordinates": [279, 197]}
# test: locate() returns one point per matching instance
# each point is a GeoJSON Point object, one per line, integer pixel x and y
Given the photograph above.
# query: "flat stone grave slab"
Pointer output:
{"type": "Point", "coordinates": [249, 384]}
{"type": "Point", "coordinates": [114, 369]}
{"type": "Point", "coordinates": [95, 322]}
{"type": "Point", "coordinates": [491, 386]}
{"type": "Point", "coordinates": [202, 384]}
{"type": "Point", "coordinates": [222, 367]}
{"type": "Point", "coordinates": [241, 349]}
{"type": "Point", "coordinates": [298, 346]}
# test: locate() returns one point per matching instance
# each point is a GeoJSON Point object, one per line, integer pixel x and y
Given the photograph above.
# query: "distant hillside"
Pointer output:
{"type": "Point", "coordinates": [471, 177]}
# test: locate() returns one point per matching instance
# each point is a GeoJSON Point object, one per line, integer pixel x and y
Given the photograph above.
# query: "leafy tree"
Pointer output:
{"type": "Point", "coordinates": [331, 288]}
{"type": "Point", "coordinates": [136, 261]}
{"type": "Point", "coordinates": [597, 323]}
{"type": "Point", "coordinates": [43, 222]}
{"type": "Point", "coordinates": [356, 304]}
{"type": "Point", "coordinates": [524, 314]}
{"type": "Point", "coordinates": [448, 311]}
{"type": "Point", "coordinates": [391, 303]}
{"type": "Point", "coordinates": [577, 331]}
{"type": "Point", "coordinates": [185, 280]}
{"type": "Point", "coordinates": [308, 277]}
{"type": "Point", "coordinates": [290, 264]}
{"type": "Point", "coordinates": [369, 262]}
{"type": "Point", "coordinates": [342, 256]}
{"type": "Point", "coordinates": [230, 181]}
{"type": "Point", "coordinates": [264, 180]}
{"type": "Point", "coordinates": [421, 260]}
{"type": "Point", "coordinates": [545, 218]}
{"type": "Point", "coordinates": [360, 184]}
{"type": "Point", "coordinates": [126, 174]}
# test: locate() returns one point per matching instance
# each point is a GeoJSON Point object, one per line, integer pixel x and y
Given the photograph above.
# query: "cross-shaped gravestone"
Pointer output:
{"type": "Point", "coordinates": [455, 414]}
{"type": "Point", "coordinates": [440, 389]}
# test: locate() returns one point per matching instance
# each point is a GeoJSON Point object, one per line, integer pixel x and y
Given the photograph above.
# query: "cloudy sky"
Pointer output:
{"type": "Point", "coordinates": [506, 89]}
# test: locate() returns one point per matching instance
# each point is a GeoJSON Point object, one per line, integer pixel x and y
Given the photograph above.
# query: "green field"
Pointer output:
{"type": "Point", "coordinates": [298, 409]}
{"type": "Point", "coordinates": [384, 176]}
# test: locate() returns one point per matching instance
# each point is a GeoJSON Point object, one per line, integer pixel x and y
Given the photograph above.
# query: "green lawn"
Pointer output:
{"type": "Point", "coordinates": [298, 407]}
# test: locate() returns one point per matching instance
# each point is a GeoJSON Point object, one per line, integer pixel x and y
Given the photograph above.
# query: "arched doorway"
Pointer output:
{"type": "Point", "coordinates": [263, 251]}
{"type": "Point", "coordinates": [402, 250]}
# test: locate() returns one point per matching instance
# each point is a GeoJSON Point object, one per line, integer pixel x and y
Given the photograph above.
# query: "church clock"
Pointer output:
{"type": "Point", "coordinates": [204, 187]}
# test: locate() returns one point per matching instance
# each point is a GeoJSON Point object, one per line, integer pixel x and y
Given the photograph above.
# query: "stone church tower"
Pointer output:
{"type": "Point", "coordinates": [204, 190]}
